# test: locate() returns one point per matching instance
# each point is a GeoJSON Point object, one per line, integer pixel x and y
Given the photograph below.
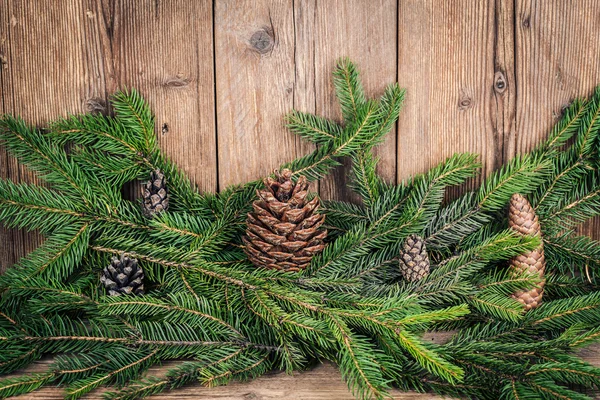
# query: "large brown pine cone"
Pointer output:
{"type": "Point", "coordinates": [284, 232]}
{"type": "Point", "coordinates": [414, 260]}
{"type": "Point", "coordinates": [522, 218]}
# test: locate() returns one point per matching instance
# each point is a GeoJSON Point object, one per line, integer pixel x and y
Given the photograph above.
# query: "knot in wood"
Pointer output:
{"type": "Point", "coordinates": [464, 103]}
{"type": "Point", "coordinates": [263, 40]}
{"type": "Point", "coordinates": [176, 82]}
{"type": "Point", "coordinates": [500, 83]}
{"type": "Point", "coordinates": [95, 105]}
{"type": "Point", "coordinates": [526, 22]}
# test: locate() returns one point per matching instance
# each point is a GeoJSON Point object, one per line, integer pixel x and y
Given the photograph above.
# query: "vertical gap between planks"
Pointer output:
{"type": "Point", "coordinates": [216, 133]}
{"type": "Point", "coordinates": [515, 67]}
{"type": "Point", "coordinates": [314, 59]}
{"type": "Point", "coordinates": [395, 180]}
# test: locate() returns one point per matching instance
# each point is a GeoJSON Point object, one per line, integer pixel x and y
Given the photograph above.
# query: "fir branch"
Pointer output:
{"type": "Point", "coordinates": [563, 313]}
{"type": "Point", "coordinates": [24, 384]}
{"type": "Point", "coordinates": [209, 304]}
{"type": "Point", "coordinates": [46, 158]}
{"type": "Point", "coordinates": [590, 125]}
{"type": "Point", "coordinates": [566, 127]}
{"type": "Point", "coordinates": [316, 129]}
{"type": "Point", "coordinates": [429, 359]}
{"type": "Point", "coordinates": [348, 88]}
{"type": "Point", "coordinates": [135, 115]}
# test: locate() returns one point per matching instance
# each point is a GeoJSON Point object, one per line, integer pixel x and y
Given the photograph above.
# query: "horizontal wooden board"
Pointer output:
{"type": "Point", "coordinates": [323, 382]}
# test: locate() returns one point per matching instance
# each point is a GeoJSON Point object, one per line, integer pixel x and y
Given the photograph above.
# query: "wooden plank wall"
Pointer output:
{"type": "Point", "coordinates": [489, 76]}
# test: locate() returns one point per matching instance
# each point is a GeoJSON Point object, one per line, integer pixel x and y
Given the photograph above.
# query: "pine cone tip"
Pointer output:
{"type": "Point", "coordinates": [523, 219]}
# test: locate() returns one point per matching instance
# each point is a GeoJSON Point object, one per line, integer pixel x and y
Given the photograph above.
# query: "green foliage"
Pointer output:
{"type": "Point", "coordinates": [207, 304]}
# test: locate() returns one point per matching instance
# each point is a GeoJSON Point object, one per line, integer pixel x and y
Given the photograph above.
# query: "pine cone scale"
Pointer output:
{"type": "Point", "coordinates": [155, 194]}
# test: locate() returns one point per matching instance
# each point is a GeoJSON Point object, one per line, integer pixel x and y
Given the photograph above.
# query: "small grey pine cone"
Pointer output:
{"type": "Point", "coordinates": [123, 276]}
{"type": "Point", "coordinates": [414, 261]}
{"type": "Point", "coordinates": [155, 194]}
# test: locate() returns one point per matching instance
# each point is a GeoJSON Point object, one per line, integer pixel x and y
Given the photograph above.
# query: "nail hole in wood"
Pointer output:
{"type": "Point", "coordinates": [165, 128]}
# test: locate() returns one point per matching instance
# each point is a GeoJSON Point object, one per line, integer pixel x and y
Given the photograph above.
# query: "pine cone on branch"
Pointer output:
{"type": "Point", "coordinates": [284, 232]}
{"type": "Point", "coordinates": [123, 276]}
{"type": "Point", "coordinates": [155, 194]}
{"type": "Point", "coordinates": [522, 219]}
{"type": "Point", "coordinates": [414, 260]}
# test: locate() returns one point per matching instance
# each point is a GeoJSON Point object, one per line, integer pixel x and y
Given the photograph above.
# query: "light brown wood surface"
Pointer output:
{"type": "Point", "coordinates": [486, 76]}
{"type": "Point", "coordinates": [323, 382]}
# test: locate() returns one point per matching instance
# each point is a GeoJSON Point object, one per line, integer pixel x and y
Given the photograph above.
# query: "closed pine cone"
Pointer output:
{"type": "Point", "coordinates": [123, 276]}
{"type": "Point", "coordinates": [283, 231]}
{"type": "Point", "coordinates": [522, 218]}
{"type": "Point", "coordinates": [414, 260]}
{"type": "Point", "coordinates": [155, 194]}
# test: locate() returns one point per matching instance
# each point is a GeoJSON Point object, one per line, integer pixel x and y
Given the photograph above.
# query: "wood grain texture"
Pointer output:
{"type": "Point", "coordinates": [255, 78]}
{"type": "Point", "coordinates": [68, 58]}
{"type": "Point", "coordinates": [42, 76]}
{"type": "Point", "coordinates": [557, 48]}
{"type": "Point", "coordinates": [450, 54]}
{"type": "Point", "coordinates": [365, 32]}
{"type": "Point", "coordinates": [165, 50]}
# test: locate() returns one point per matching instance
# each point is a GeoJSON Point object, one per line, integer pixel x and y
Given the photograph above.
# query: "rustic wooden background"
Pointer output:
{"type": "Point", "coordinates": [488, 76]}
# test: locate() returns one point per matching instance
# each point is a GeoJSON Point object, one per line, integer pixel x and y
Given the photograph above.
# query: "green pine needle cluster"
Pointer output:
{"type": "Point", "coordinates": [209, 307]}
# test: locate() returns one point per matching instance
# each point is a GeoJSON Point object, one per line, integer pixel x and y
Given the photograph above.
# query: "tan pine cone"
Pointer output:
{"type": "Point", "coordinates": [414, 260]}
{"type": "Point", "coordinates": [284, 232]}
{"type": "Point", "coordinates": [522, 219]}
